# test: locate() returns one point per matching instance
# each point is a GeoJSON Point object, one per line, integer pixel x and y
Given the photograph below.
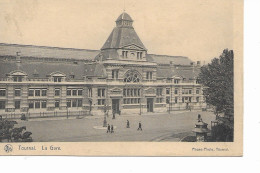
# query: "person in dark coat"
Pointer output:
{"type": "Point", "coordinates": [108, 128]}
{"type": "Point", "coordinates": [127, 124]}
{"type": "Point", "coordinates": [140, 126]}
{"type": "Point", "coordinates": [112, 129]}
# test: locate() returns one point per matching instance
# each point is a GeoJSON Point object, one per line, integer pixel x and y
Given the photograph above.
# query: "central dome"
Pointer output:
{"type": "Point", "coordinates": [124, 16]}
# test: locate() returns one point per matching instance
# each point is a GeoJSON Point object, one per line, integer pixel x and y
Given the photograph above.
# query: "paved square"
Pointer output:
{"type": "Point", "coordinates": [156, 127]}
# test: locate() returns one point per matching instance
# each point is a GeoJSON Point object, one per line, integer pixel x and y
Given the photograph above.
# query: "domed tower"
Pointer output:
{"type": "Point", "coordinates": [123, 43]}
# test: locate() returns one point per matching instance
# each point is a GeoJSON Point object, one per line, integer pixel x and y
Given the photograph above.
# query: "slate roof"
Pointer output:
{"type": "Point", "coordinates": [166, 59]}
{"type": "Point", "coordinates": [188, 73]}
{"type": "Point", "coordinates": [95, 69]}
{"type": "Point", "coordinates": [47, 52]}
{"type": "Point", "coordinates": [122, 36]}
{"type": "Point", "coordinates": [43, 69]}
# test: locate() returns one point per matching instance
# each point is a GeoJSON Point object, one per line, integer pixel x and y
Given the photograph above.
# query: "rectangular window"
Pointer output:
{"type": "Point", "coordinates": [101, 101]}
{"type": "Point", "coordinates": [37, 92]}
{"type": "Point", "coordinates": [115, 74]}
{"type": "Point", "coordinates": [57, 79]}
{"type": "Point", "coordinates": [168, 91]}
{"type": "Point", "coordinates": [90, 92]}
{"type": "Point", "coordinates": [101, 92]}
{"type": "Point", "coordinates": [57, 92]}
{"type": "Point", "coordinates": [17, 92]}
{"type": "Point", "coordinates": [176, 91]}
{"type": "Point", "coordinates": [197, 99]}
{"type": "Point", "coordinates": [149, 75]}
{"type": "Point", "coordinates": [176, 99]}
{"type": "Point", "coordinates": [37, 104]}
{"type": "Point", "coordinates": [79, 103]}
{"type": "Point", "coordinates": [182, 99]}
{"type": "Point", "coordinates": [197, 91]}
{"type": "Point", "coordinates": [74, 103]}
{"type": "Point", "coordinates": [17, 78]}
{"type": "Point", "coordinates": [2, 104]}
{"type": "Point", "coordinates": [57, 103]}
{"type": "Point", "coordinates": [167, 100]}
{"type": "Point", "coordinates": [17, 104]}
{"type": "Point", "coordinates": [44, 103]}
{"type": "Point", "coordinates": [159, 92]}
{"type": "Point", "coordinates": [31, 92]}
{"type": "Point", "coordinates": [68, 103]}
{"type": "Point", "coordinates": [44, 92]}
{"type": "Point", "coordinates": [74, 92]}
{"type": "Point", "coordinates": [189, 99]}
{"type": "Point", "coordinates": [2, 92]}
{"type": "Point", "coordinates": [68, 92]}
{"type": "Point", "coordinates": [80, 92]}
{"type": "Point", "coordinates": [190, 91]}
{"type": "Point", "coordinates": [176, 81]}
{"type": "Point", "coordinates": [159, 100]}
{"type": "Point", "coordinates": [31, 104]}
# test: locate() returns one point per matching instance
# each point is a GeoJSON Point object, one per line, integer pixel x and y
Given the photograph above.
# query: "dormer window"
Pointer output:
{"type": "Point", "coordinates": [17, 76]}
{"type": "Point", "coordinates": [139, 55]}
{"type": "Point", "coordinates": [125, 54]}
{"type": "Point", "coordinates": [58, 76]}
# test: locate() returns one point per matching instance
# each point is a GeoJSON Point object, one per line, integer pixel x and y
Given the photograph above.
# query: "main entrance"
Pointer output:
{"type": "Point", "coordinates": [149, 104]}
{"type": "Point", "coordinates": [115, 105]}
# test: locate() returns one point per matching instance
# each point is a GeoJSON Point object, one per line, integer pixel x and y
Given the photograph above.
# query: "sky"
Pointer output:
{"type": "Point", "coordinates": [198, 29]}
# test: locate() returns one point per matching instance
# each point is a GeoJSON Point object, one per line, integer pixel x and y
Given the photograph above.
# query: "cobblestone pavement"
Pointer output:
{"type": "Point", "coordinates": [156, 127]}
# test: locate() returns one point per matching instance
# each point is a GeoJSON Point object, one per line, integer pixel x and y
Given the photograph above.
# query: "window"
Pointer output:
{"type": "Point", "coordinates": [57, 79]}
{"type": "Point", "coordinates": [44, 92]}
{"type": "Point", "coordinates": [159, 91]}
{"type": "Point", "coordinates": [197, 91]}
{"type": "Point", "coordinates": [89, 92]}
{"type": "Point", "coordinates": [186, 91]}
{"type": "Point", "coordinates": [139, 55]}
{"type": "Point", "coordinates": [189, 99]}
{"type": "Point", "coordinates": [68, 103]}
{"type": "Point", "coordinates": [101, 92]}
{"type": "Point", "coordinates": [167, 100]}
{"type": "Point", "coordinates": [176, 99]}
{"type": "Point", "coordinates": [37, 104]}
{"type": "Point", "coordinates": [17, 104]}
{"type": "Point", "coordinates": [17, 92]}
{"type": "Point", "coordinates": [17, 78]}
{"type": "Point", "coordinates": [44, 103]}
{"type": "Point", "coordinates": [149, 75]}
{"type": "Point", "coordinates": [74, 92]}
{"type": "Point", "coordinates": [184, 79]}
{"type": "Point", "coordinates": [72, 76]}
{"type": "Point", "coordinates": [74, 103]}
{"type": "Point", "coordinates": [182, 99]}
{"type": "Point", "coordinates": [68, 92]}
{"type": "Point", "coordinates": [37, 92]}
{"type": "Point", "coordinates": [79, 103]}
{"type": "Point", "coordinates": [197, 99]}
{"type": "Point", "coordinates": [132, 76]}
{"type": "Point", "coordinates": [159, 100]}
{"type": "Point", "coordinates": [57, 103]}
{"type": "Point", "coordinates": [31, 104]}
{"type": "Point", "coordinates": [125, 54]}
{"type": "Point", "coordinates": [2, 104]}
{"type": "Point", "coordinates": [31, 92]}
{"type": "Point", "coordinates": [176, 91]}
{"type": "Point", "coordinates": [80, 92]}
{"type": "Point", "coordinates": [2, 92]}
{"type": "Point", "coordinates": [57, 92]}
{"type": "Point", "coordinates": [168, 91]}
{"type": "Point", "coordinates": [115, 74]}
{"type": "Point", "coordinates": [190, 91]}
{"type": "Point", "coordinates": [101, 101]}
{"type": "Point", "coordinates": [176, 81]}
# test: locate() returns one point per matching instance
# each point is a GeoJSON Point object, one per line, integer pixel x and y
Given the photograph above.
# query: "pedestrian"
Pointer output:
{"type": "Point", "coordinates": [127, 124]}
{"type": "Point", "coordinates": [108, 128]}
{"type": "Point", "coordinates": [112, 129]}
{"type": "Point", "coordinates": [140, 126]}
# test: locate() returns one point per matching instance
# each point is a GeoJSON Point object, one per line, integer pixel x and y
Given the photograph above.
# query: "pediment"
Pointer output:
{"type": "Point", "coordinates": [150, 90]}
{"type": "Point", "coordinates": [116, 89]}
{"type": "Point", "coordinates": [18, 73]}
{"type": "Point", "coordinates": [58, 74]}
{"type": "Point", "coordinates": [133, 47]}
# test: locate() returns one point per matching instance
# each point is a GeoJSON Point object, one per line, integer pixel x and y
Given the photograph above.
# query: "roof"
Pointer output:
{"type": "Point", "coordinates": [188, 73]}
{"type": "Point", "coordinates": [124, 16]}
{"type": "Point", "coordinates": [122, 36]}
{"type": "Point", "coordinates": [164, 72]}
{"type": "Point", "coordinates": [95, 69]}
{"type": "Point", "coordinates": [43, 69]}
{"type": "Point", "coordinates": [166, 59]}
{"type": "Point", "coordinates": [47, 52]}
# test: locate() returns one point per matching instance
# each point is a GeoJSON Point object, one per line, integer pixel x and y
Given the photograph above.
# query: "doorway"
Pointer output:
{"type": "Point", "coordinates": [115, 105]}
{"type": "Point", "coordinates": [149, 104]}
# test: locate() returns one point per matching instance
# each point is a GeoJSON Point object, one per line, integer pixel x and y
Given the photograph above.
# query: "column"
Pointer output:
{"type": "Point", "coordinates": [24, 98]}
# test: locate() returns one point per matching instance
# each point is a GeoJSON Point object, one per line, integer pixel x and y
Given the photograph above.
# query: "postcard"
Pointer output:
{"type": "Point", "coordinates": [121, 78]}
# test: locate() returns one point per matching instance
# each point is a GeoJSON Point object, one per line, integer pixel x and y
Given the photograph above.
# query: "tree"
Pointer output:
{"type": "Point", "coordinates": [217, 78]}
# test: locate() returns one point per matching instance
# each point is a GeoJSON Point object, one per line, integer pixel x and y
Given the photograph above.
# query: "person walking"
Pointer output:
{"type": "Point", "coordinates": [112, 129]}
{"type": "Point", "coordinates": [140, 126]}
{"type": "Point", "coordinates": [127, 124]}
{"type": "Point", "coordinates": [108, 128]}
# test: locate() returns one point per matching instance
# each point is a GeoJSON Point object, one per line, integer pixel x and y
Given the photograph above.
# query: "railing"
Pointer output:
{"type": "Point", "coordinates": [47, 114]}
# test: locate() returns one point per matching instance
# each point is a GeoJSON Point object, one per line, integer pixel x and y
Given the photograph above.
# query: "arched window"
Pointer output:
{"type": "Point", "coordinates": [132, 76]}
